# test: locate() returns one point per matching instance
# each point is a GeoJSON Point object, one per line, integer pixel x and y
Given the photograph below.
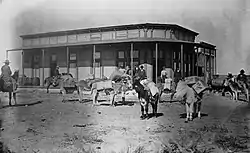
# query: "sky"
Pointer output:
{"type": "Point", "coordinates": [225, 23]}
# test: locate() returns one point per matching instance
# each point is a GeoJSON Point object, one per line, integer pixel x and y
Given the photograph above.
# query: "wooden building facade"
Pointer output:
{"type": "Point", "coordinates": [100, 50]}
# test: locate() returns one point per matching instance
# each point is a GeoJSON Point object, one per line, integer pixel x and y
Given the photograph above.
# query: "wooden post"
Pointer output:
{"type": "Point", "coordinates": [182, 62]}
{"type": "Point", "coordinates": [197, 58]}
{"type": "Point", "coordinates": [67, 52]}
{"type": "Point", "coordinates": [131, 59]}
{"type": "Point", "coordinates": [156, 62]}
{"type": "Point", "coordinates": [23, 67]}
{"type": "Point", "coordinates": [205, 65]}
{"type": "Point", "coordinates": [94, 60]}
{"type": "Point", "coordinates": [193, 61]}
{"type": "Point", "coordinates": [210, 64]}
{"type": "Point", "coordinates": [43, 64]}
{"type": "Point", "coordinates": [215, 64]}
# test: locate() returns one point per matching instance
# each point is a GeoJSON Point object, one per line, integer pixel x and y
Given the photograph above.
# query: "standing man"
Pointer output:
{"type": "Point", "coordinates": [242, 79]}
{"type": "Point", "coordinates": [128, 70]}
{"type": "Point", "coordinates": [163, 74]}
{"type": "Point", "coordinates": [6, 75]}
{"type": "Point", "coordinates": [121, 69]}
{"type": "Point", "coordinates": [177, 76]}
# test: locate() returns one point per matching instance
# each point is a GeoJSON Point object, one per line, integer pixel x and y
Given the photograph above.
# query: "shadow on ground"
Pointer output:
{"type": "Point", "coordinates": [184, 115]}
{"type": "Point", "coordinates": [18, 105]}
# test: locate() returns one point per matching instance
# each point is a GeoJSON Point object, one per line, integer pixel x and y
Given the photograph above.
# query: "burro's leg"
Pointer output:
{"type": "Point", "coordinates": [199, 108]}
{"type": "Point", "coordinates": [123, 97]}
{"type": "Point", "coordinates": [187, 112]}
{"type": "Point", "coordinates": [191, 110]}
{"type": "Point", "coordinates": [94, 96]}
{"type": "Point", "coordinates": [112, 98]}
{"type": "Point", "coordinates": [63, 91]}
{"type": "Point", "coordinates": [79, 92]}
{"type": "Point", "coordinates": [10, 94]}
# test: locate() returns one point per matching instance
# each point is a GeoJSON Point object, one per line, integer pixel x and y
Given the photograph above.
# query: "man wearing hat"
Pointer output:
{"type": "Point", "coordinates": [56, 73]}
{"type": "Point", "coordinates": [242, 78]}
{"type": "Point", "coordinates": [6, 73]}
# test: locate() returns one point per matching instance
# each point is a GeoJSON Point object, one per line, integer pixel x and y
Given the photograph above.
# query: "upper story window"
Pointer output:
{"type": "Point", "coordinates": [136, 54]}
{"type": "Point", "coordinates": [97, 55]}
{"type": "Point", "coordinates": [121, 54]}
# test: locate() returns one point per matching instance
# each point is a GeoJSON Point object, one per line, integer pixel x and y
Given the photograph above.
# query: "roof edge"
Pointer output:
{"type": "Point", "coordinates": [122, 26]}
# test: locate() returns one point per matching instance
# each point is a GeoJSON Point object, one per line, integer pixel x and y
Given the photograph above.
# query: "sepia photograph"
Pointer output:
{"type": "Point", "coordinates": [124, 76]}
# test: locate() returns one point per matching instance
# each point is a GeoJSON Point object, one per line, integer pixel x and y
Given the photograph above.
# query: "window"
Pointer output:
{"type": "Point", "coordinates": [174, 65]}
{"type": "Point", "coordinates": [53, 58]}
{"type": "Point", "coordinates": [174, 55]}
{"type": "Point", "coordinates": [121, 54]}
{"type": "Point", "coordinates": [120, 64]}
{"type": "Point", "coordinates": [97, 55]}
{"type": "Point", "coordinates": [136, 54]}
{"type": "Point", "coordinates": [72, 57]}
{"type": "Point", "coordinates": [160, 54]}
{"type": "Point", "coordinates": [97, 64]}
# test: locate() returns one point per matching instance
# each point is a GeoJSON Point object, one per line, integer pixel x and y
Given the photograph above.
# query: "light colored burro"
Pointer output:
{"type": "Point", "coordinates": [117, 83]}
{"type": "Point", "coordinates": [192, 96]}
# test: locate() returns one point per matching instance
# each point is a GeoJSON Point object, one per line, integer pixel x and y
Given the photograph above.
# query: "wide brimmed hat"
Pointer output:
{"type": "Point", "coordinates": [6, 61]}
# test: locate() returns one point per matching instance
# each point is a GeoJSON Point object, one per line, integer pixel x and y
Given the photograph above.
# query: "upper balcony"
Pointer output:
{"type": "Point", "coordinates": [110, 34]}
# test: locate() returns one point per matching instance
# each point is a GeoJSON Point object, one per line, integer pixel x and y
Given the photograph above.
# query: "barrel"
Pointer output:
{"type": "Point", "coordinates": [36, 81]}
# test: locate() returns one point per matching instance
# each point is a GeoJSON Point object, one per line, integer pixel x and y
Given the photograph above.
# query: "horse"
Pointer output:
{"type": "Point", "coordinates": [53, 81]}
{"type": "Point", "coordinates": [12, 88]}
{"type": "Point", "coordinates": [145, 97]}
{"type": "Point", "coordinates": [191, 99]}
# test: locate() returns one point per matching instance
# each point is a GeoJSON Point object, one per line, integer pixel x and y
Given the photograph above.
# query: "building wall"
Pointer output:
{"type": "Point", "coordinates": [107, 58]}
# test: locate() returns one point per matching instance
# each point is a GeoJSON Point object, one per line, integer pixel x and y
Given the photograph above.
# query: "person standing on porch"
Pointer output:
{"type": "Point", "coordinates": [128, 70]}
{"type": "Point", "coordinates": [163, 74]}
{"type": "Point", "coordinates": [121, 69]}
{"type": "Point", "coordinates": [177, 76]}
{"type": "Point", "coordinates": [57, 73]}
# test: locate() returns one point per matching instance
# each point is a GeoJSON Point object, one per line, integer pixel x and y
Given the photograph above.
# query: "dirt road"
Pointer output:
{"type": "Point", "coordinates": [46, 124]}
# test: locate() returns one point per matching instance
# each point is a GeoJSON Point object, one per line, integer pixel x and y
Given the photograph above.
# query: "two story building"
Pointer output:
{"type": "Point", "coordinates": [100, 50]}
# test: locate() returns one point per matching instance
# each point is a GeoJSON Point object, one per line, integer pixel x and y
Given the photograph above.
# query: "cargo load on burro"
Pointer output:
{"type": "Point", "coordinates": [190, 91]}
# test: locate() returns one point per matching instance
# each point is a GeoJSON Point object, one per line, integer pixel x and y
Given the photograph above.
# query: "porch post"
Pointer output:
{"type": "Point", "coordinates": [197, 58]}
{"type": "Point", "coordinates": [215, 63]}
{"type": "Point", "coordinates": [43, 54]}
{"type": "Point", "coordinates": [156, 61]}
{"type": "Point", "coordinates": [67, 52]}
{"type": "Point", "coordinates": [182, 62]}
{"type": "Point", "coordinates": [205, 65]}
{"type": "Point", "coordinates": [23, 67]}
{"type": "Point", "coordinates": [132, 58]}
{"type": "Point", "coordinates": [94, 60]}
{"type": "Point", "coordinates": [193, 61]}
{"type": "Point", "coordinates": [210, 64]}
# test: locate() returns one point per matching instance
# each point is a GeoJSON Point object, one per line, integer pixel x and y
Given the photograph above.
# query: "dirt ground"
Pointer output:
{"type": "Point", "coordinates": [42, 123]}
